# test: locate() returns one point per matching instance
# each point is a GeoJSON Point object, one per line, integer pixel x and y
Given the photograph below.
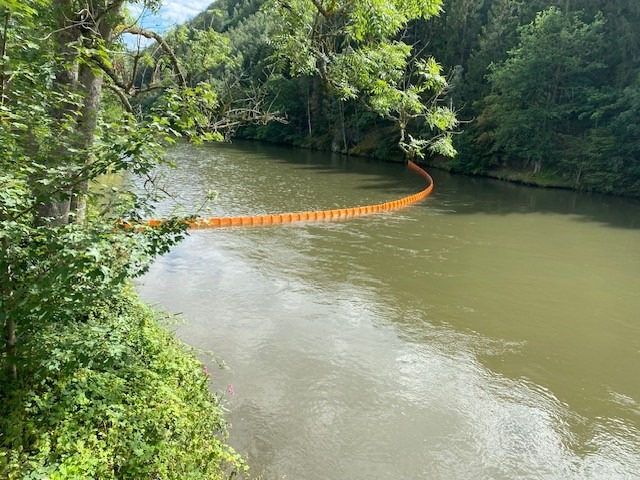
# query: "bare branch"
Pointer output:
{"type": "Point", "coordinates": [320, 8]}
{"type": "Point", "coordinates": [111, 73]}
{"type": "Point", "coordinates": [135, 30]}
{"type": "Point", "coordinates": [122, 96]}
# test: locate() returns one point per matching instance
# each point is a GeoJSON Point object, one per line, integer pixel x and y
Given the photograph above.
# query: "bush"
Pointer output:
{"type": "Point", "coordinates": [112, 396]}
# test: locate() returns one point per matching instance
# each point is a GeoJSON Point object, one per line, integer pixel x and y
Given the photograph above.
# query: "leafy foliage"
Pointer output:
{"type": "Point", "coordinates": [54, 267]}
{"type": "Point", "coordinates": [535, 95]}
{"type": "Point", "coordinates": [351, 45]}
{"type": "Point", "coordinates": [90, 386]}
{"type": "Point", "coordinates": [112, 397]}
{"type": "Point", "coordinates": [345, 74]}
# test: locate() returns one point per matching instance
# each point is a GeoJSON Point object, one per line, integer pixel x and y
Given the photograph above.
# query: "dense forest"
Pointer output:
{"type": "Point", "coordinates": [546, 92]}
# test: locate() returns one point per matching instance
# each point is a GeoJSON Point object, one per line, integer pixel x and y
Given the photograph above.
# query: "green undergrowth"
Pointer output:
{"type": "Point", "coordinates": [111, 396]}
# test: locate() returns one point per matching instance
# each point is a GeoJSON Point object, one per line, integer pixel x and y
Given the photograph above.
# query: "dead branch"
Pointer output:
{"type": "Point", "coordinates": [135, 30]}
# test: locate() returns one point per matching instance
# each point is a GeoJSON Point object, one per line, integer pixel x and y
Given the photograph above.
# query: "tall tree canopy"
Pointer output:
{"type": "Point", "coordinates": [538, 99]}
{"type": "Point", "coordinates": [55, 259]}
{"type": "Point", "coordinates": [357, 48]}
{"type": "Point", "coordinates": [326, 58]}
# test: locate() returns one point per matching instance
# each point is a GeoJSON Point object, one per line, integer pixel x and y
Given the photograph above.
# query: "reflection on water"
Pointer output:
{"type": "Point", "coordinates": [488, 332]}
{"type": "Point", "coordinates": [503, 198]}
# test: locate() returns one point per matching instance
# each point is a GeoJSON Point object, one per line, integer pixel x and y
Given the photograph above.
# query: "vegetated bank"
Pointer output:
{"type": "Point", "coordinates": [548, 91]}
{"type": "Point", "coordinates": [112, 395]}
{"type": "Point", "coordinates": [381, 144]}
{"type": "Point", "coordinates": [91, 385]}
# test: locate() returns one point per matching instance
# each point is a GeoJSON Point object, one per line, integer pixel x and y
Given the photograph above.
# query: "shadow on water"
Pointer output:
{"type": "Point", "coordinates": [458, 194]}
{"type": "Point", "coordinates": [393, 177]}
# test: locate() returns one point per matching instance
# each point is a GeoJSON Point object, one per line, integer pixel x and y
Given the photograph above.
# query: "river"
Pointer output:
{"type": "Point", "coordinates": [491, 331]}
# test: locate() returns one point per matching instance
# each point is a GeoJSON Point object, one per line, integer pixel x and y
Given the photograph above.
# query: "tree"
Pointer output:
{"type": "Point", "coordinates": [356, 48]}
{"type": "Point", "coordinates": [55, 258]}
{"type": "Point", "coordinates": [539, 91]}
{"type": "Point", "coordinates": [452, 35]}
{"type": "Point", "coordinates": [76, 353]}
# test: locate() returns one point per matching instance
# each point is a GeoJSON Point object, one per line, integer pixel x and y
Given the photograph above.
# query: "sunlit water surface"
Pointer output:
{"type": "Point", "coordinates": [490, 331]}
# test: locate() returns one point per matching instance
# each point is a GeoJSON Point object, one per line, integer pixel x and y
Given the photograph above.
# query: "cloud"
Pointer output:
{"type": "Point", "coordinates": [172, 13]}
{"type": "Point", "coordinates": [179, 11]}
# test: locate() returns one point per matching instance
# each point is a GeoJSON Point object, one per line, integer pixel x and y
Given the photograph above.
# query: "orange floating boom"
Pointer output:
{"type": "Point", "coordinates": [217, 222]}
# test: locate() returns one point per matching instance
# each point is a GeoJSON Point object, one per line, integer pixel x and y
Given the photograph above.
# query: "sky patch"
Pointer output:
{"type": "Point", "coordinates": [172, 13]}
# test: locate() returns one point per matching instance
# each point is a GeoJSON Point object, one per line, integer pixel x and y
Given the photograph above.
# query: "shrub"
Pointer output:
{"type": "Point", "coordinates": [112, 396]}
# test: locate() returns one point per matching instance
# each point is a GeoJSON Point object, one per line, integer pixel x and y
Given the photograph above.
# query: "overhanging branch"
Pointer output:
{"type": "Point", "coordinates": [135, 30]}
{"type": "Point", "coordinates": [122, 96]}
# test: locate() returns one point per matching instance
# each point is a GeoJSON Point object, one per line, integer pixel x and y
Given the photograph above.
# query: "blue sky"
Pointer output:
{"type": "Point", "coordinates": [171, 13]}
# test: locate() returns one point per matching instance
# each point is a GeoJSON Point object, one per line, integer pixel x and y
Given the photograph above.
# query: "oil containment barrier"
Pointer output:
{"type": "Point", "coordinates": [218, 222]}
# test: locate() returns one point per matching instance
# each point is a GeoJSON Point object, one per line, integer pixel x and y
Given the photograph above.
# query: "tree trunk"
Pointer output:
{"type": "Point", "coordinates": [91, 81]}
{"type": "Point", "coordinates": [55, 211]}
{"type": "Point", "coordinates": [342, 127]}
{"type": "Point", "coordinates": [9, 319]}
{"type": "Point", "coordinates": [309, 110]}
{"type": "Point", "coordinates": [578, 177]}
{"type": "Point", "coordinates": [88, 80]}
{"type": "Point", "coordinates": [54, 214]}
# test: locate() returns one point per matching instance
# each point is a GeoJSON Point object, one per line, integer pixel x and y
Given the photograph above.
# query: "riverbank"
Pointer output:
{"type": "Point", "coordinates": [112, 395]}
{"type": "Point", "coordinates": [371, 146]}
{"type": "Point", "coordinates": [522, 176]}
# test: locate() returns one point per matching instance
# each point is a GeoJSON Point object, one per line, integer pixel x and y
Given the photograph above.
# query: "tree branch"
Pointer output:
{"type": "Point", "coordinates": [122, 96]}
{"type": "Point", "coordinates": [320, 8]}
{"type": "Point", "coordinates": [135, 30]}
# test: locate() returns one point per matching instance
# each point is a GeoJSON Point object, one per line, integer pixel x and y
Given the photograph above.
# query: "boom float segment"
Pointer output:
{"type": "Point", "coordinates": [218, 222]}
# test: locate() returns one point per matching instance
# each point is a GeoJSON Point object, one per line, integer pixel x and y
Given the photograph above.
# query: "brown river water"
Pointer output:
{"type": "Point", "coordinates": [491, 331]}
